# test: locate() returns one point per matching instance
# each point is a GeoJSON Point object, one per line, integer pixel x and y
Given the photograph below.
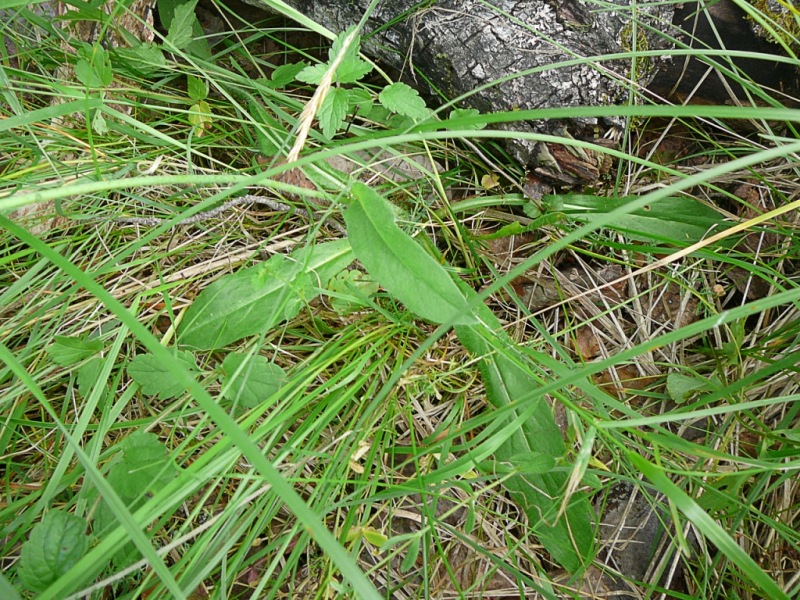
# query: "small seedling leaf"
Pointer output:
{"type": "Point", "coordinates": [350, 291]}
{"type": "Point", "coordinates": [410, 559]}
{"type": "Point", "coordinates": [155, 378]}
{"type": "Point", "coordinates": [196, 88]}
{"type": "Point", "coordinates": [398, 263]}
{"type": "Point", "coordinates": [403, 100]}
{"type": "Point", "coordinates": [144, 467]}
{"type": "Point", "coordinates": [255, 299]}
{"type": "Point", "coordinates": [250, 380]}
{"type": "Point", "coordinates": [54, 546]}
{"type": "Point", "coordinates": [680, 387]}
{"type": "Point", "coordinates": [333, 112]}
{"type": "Point", "coordinates": [69, 350]}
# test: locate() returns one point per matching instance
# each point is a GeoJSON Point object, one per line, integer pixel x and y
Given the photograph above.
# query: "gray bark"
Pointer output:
{"type": "Point", "coordinates": [461, 45]}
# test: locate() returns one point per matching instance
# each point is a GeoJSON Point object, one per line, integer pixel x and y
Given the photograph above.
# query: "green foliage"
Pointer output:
{"type": "Point", "coordinates": [155, 378]}
{"type": "Point", "coordinates": [679, 219]}
{"type": "Point", "coordinates": [398, 99]}
{"type": "Point", "coordinates": [69, 350]}
{"type": "Point", "coordinates": [144, 466]}
{"type": "Point", "coordinates": [401, 98]}
{"type": "Point", "coordinates": [55, 545]}
{"type": "Point", "coordinates": [350, 289]}
{"type": "Point", "coordinates": [253, 300]}
{"type": "Point", "coordinates": [250, 379]}
{"type": "Point", "coordinates": [400, 264]}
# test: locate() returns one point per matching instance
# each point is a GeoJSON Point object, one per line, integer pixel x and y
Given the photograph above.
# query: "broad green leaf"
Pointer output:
{"type": "Point", "coordinates": [570, 538]}
{"type": "Point", "coordinates": [359, 101]}
{"type": "Point", "coordinates": [181, 28]}
{"type": "Point", "coordinates": [333, 111]}
{"type": "Point", "coordinates": [7, 591]}
{"type": "Point", "coordinates": [145, 466]}
{"type": "Point", "coordinates": [88, 374]}
{"type": "Point", "coordinates": [155, 378]}
{"type": "Point", "coordinates": [68, 350]}
{"type": "Point", "coordinates": [252, 383]}
{"type": "Point", "coordinates": [143, 60]}
{"type": "Point", "coordinates": [285, 74]}
{"type": "Point", "coordinates": [54, 546]}
{"type": "Point", "coordinates": [93, 68]}
{"type": "Point", "coordinates": [533, 462]}
{"type": "Point", "coordinates": [404, 100]}
{"type": "Point", "coordinates": [398, 263]}
{"type": "Point", "coordinates": [677, 219]}
{"type": "Point", "coordinates": [254, 299]}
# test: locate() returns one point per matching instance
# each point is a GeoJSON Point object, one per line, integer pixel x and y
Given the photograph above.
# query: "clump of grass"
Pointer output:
{"type": "Point", "coordinates": [680, 378]}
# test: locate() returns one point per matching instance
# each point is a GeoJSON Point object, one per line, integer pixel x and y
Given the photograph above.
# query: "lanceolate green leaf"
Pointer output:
{"type": "Point", "coordinates": [568, 538]}
{"type": "Point", "coordinates": [678, 219]}
{"type": "Point", "coordinates": [398, 263]}
{"type": "Point", "coordinates": [255, 299]}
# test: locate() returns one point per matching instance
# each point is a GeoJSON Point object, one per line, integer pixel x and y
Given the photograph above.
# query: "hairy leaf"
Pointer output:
{"type": "Point", "coordinates": [254, 299]}
{"type": "Point", "coordinates": [398, 263]}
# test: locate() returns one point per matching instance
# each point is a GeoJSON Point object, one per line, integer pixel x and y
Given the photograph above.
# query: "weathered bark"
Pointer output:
{"type": "Point", "coordinates": [460, 45]}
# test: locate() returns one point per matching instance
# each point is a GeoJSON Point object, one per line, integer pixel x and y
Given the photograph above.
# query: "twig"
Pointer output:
{"type": "Point", "coordinates": [215, 212]}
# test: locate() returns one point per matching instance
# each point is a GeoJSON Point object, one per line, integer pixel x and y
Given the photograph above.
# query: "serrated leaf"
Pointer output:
{"type": "Point", "coordinates": [313, 74]}
{"type": "Point", "coordinates": [252, 300]}
{"type": "Point", "coordinates": [398, 263]}
{"type": "Point", "coordinates": [403, 100]}
{"type": "Point", "coordinates": [55, 544]}
{"type": "Point", "coordinates": [68, 350]}
{"type": "Point", "coordinates": [145, 466]}
{"type": "Point", "coordinates": [352, 49]}
{"type": "Point", "coordinates": [153, 376]}
{"type": "Point", "coordinates": [351, 69]}
{"type": "Point", "coordinates": [569, 539]}
{"type": "Point", "coordinates": [196, 88]}
{"type": "Point", "coordinates": [254, 379]}
{"type": "Point", "coordinates": [181, 28]}
{"type": "Point", "coordinates": [359, 101]}
{"type": "Point", "coordinates": [333, 112]}
{"type": "Point", "coordinates": [286, 74]}
{"type": "Point", "coordinates": [143, 60]}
